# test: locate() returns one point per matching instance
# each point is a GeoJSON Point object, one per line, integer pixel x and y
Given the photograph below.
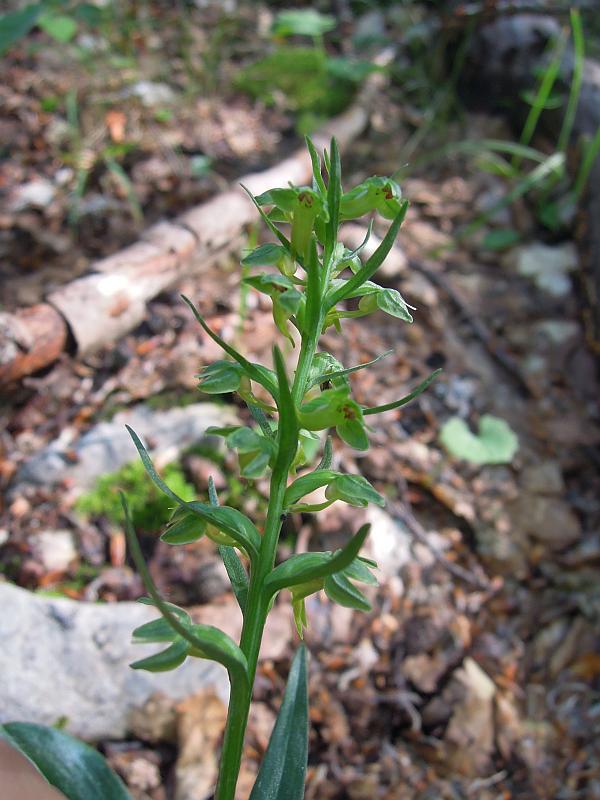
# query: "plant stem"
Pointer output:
{"type": "Point", "coordinates": [257, 607]}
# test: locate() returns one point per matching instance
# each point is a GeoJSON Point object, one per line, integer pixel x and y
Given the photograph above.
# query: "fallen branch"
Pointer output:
{"type": "Point", "coordinates": [98, 308]}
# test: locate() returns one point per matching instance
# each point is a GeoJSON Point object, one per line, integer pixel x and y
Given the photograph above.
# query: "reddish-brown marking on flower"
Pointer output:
{"type": "Point", "coordinates": [306, 198]}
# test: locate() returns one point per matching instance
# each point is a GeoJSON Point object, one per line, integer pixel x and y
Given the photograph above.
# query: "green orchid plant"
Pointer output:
{"type": "Point", "coordinates": [309, 277]}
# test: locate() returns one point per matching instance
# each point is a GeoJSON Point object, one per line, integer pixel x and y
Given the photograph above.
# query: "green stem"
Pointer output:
{"type": "Point", "coordinates": [257, 607]}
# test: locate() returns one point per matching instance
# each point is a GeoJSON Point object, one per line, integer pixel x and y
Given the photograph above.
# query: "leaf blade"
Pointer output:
{"type": "Point", "coordinates": [73, 767]}
{"type": "Point", "coordinates": [282, 772]}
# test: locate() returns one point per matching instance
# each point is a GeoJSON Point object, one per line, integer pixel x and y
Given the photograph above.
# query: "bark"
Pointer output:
{"type": "Point", "coordinates": [111, 300]}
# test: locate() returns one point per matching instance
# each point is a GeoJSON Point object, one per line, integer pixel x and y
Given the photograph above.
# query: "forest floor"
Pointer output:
{"type": "Point", "coordinates": [477, 675]}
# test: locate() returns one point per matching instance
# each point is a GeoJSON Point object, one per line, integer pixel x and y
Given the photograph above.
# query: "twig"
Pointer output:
{"type": "Point", "coordinates": [401, 512]}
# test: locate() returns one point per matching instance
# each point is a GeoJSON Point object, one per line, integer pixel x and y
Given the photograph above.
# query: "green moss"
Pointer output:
{"type": "Point", "coordinates": [150, 508]}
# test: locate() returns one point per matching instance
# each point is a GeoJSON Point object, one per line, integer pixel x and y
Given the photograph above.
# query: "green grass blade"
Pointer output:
{"type": "Point", "coordinates": [591, 154]}
{"type": "Point", "coordinates": [575, 90]}
{"type": "Point", "coordinates": [542, 95]}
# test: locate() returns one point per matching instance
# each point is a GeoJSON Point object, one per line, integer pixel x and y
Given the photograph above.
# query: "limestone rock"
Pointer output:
{"type": "Point", "coordinates": [107, 446]}
{"type": "Point", "coordinates": [65, 659]}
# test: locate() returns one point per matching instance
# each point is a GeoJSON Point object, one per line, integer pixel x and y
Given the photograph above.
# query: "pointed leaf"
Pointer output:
{"type": "Point", "coordinates": [306, 567]}
{"type": "Point", "coordinates": [355, 490]}
{"type": "Point", "coordinates": [237, 574]}
{"type": "Point", "coordinates": [403, 400]}
{"type": "Point", "coordinates": [221, 377]}
{"type": "Point", "coordinates": [72, 767]}
{"type": "Point", "coordinates": [282, 772]}
{"type": "Point", "coordinates": [228, 520]}
{"type": "Point", "coordinates": [166, 660]}
{"type": "Point", "coordinates": [251, 370]}
{"type": "Point", "coordinates": [352, 431]}
{"type": "Point", "coordinates": [265, 255]}
{"type": "Point", "coordinates": [341, 590]}
{"type": "Point", "coordinates": [307, 484]}
{"type": "Point", "coordinates": [184, 528]}
{"type": "Point", "coordinates": [157, 630]}
{"type": "Point", "coordinates": [373, 263]}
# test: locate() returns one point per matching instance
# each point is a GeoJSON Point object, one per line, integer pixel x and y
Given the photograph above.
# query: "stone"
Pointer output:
{"type": "Point", "coordinates": [151, 93]}
{"type": "Point", "coordinates": [35, 194]}
{"type": "Point", "coordinates": [389, 542]}
{"type": "Point", "coordinates": [470, 732]}
{"type": "Point", "coordinates": [545, 519]}
{"type": "Point", "coordinates": [107, 446]}
{"type": "Point", "coordinates": [543, 478]}
{"type": "Point", "coordinates": [65, 659]}
{"type": "Point", "coordinates": [54, 549]}
{"type": "Point", "coordinates": [548, 266]}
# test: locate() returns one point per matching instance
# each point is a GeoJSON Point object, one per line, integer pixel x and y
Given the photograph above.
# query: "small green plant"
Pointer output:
{"type": "Point", "coordinates": [148, 506]}
{"type": "Point", "coordinates": [311, 277]}
{"type": "Point", "coordinates": [496, 442]}
{"type": "Point", "coordinates": [312, 83]}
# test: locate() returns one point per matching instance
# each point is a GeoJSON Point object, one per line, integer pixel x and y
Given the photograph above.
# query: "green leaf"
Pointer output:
{"type": "Point", "coordinates": [265, 255]}
{"type": "Point", "coordinates": [237, 575]}
{"type": "Point", "coordinates": [166, 660]}
{"type": "Point", "coordinates": [355, 490]}
{"type": "Point", "coordinates": [318, 183]}
{"type": "Point", "coordinates": [287, 429]}
{"type": "Point", "coordinates": [337, 376]}
{"type": "Point", "coordinates": [403, 400]}
{"type": "Point", "coordinates": [307, 484]}
{"type": "Point", "coordinates": [226, 519]}
{"type": "Point", "coordinates": [58, 26]}
{"type": "Point", "coordinates": [373, 263]}
{"type": "Point", "coordinates": [16, 24]}
{"type": "Point", "coordinates": [157, 630]}
{"type": "Point", "coordinates": [71, 766]}
{"type": "Point", "coordinates": [251, 370]}
{"type": "Point", "coordinates": [184, 529]}
{"type": "Point", "coordinates": [341, 590]}
{"type": "Point", "coordinates": [496, 443]}
{"type": "Point", "coordinates": [352, 431]}
{"type": "Point", "coordinates": [390, 301]}
{"type": "Point", "coordinates": [221, 377]}
{"type": "Point", "coordinates": [282, 772]}
{"type": "Point", "coordinates": [302, 22]}
{"type": "Point", "coordinates": [306, 567]}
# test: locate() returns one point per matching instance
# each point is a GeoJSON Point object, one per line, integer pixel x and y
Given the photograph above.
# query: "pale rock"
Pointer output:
{"type": "Point", "coordinates": [107, 446]}
{"type": "Point", "coordinates": [54, 549]}
{"type": "Point", "coordinates": [548, 266]}
{"type": "Point", "coordinates": [151, 93]}
{"type": "Point", "coordinates": [35, 194]}
{"type": "Point", "coordinates": [389, 542]}
{"type": "Point", "coordinates": [545, 519]}
{"type": "Point", "coordinates": [61, 658]}
{"type": "Point", "coordinates": [543, 478]}
{"type": "Point", "coordinates": [470, 732]}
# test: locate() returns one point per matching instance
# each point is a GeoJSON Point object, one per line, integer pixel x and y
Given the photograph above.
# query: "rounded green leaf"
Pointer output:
{"type": "Point", "coordinates": [352, 431]}
{"type": "Point", "coordinates": [74, 768]}
{"type": "Point", "coordinates": [496, 443]}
